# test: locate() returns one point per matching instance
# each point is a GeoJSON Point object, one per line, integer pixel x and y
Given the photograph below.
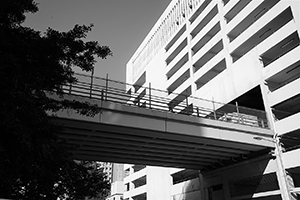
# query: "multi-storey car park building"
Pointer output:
{"type": "Point", "coordinates": [244, 53]}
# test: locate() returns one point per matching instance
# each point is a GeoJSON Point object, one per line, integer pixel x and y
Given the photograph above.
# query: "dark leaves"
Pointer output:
{"type": "Point", "coordinates": [12, 11]}
{"type": "Point", "coordinates": [34, 162]}
{"type": "Point", "coordinates": [74, 51]}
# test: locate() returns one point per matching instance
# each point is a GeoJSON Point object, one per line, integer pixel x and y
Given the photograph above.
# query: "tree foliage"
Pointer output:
{"type": "Point", "coordinates": [34, 162]}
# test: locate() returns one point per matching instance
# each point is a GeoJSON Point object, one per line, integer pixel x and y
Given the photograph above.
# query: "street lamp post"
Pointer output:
{"type": "Point", "coordinates": [281, 173]}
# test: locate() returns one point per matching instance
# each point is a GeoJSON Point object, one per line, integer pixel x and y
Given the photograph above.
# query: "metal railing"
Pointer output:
{"type": "Point", "coordinates": [149, 98]}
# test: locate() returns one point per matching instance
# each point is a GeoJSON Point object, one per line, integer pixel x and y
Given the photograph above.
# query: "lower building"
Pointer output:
{"type": "Point", "coordinates": [146, 182]}
{"type": "Point", "coordinates": [117, 185]}
{"type": "Point", "coordinates": [251, 179]}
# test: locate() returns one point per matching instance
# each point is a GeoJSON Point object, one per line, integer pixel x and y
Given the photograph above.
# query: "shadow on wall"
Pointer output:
{"type": "Point", "coordinates": [244, 181]}
{"type": "Point", "coordinates": [186, 189]}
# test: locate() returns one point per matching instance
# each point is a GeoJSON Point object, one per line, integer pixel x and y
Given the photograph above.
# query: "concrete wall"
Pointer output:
{"type": "Point", "coordinates": [186, 190]}
{"type": "Point", "coordinates": [158, 183]}
{"type": "Point", "coordinates": [238, 78]}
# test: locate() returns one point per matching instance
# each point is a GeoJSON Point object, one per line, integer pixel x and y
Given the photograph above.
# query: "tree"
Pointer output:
{"type": "Point", "coordinates": [34, 162]}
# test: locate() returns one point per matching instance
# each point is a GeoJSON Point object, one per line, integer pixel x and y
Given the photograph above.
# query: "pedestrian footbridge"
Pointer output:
{"type": "Point", "coordinates": [148, 133]}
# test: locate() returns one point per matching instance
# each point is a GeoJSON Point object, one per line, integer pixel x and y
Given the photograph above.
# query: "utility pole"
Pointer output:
{"type": "Point", "coordinates": [280, 172]}
{"type": "Point", "coordinates": [278, 150]}
{"type": "Point", "coordinates": [282, 177]}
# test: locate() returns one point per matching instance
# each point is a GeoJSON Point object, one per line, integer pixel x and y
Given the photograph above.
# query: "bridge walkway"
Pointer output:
{"type": "Point", "coordinates": [140, 128]}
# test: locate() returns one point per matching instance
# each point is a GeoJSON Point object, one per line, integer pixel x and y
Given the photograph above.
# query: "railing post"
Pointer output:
{"type": "Point", "coordinates": [187, 102]}
{"type": "Point", "coordinates": [150, 95]}
{"type": "Point", "coordinates": [214, 109]}
{"type": "Point", "coordinates": [106, 87]}
{"type": "Point", "coordinates": [70, 89]}
{"type": "Point", "coordinates": [102, 95]}
{"type": "Point", "coordinates": [197, 111]}
{"type": "Point", "coordinates": [91, 86]}
{"type": "Point", "coordinates": [237, 111]}
{"type": "Point", "coordinates": [262, 123]}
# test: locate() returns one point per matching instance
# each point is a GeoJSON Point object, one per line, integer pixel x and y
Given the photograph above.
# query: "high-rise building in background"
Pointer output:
{"type": "Point", "coordinates": [107, 169]}
{"type": "Point", "coordinates": [108, 172]}
{"type": "Point", "coordinates": [150, 182]}
{"type": "Point", "coordinates": [117, 185]}
{"type": "Point", "coordinates": [244, 53]}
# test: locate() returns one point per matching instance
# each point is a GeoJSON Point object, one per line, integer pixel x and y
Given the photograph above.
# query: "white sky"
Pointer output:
{"type": "Point", "coordinates": [120, 24]}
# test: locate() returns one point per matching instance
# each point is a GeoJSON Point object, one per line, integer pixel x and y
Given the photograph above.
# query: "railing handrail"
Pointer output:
{"type": "Point", "coordinates": [164, 91]}
{"type": "Point", "coordinates": [115, 91]}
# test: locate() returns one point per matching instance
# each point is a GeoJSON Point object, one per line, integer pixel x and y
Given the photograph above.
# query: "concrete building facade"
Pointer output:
{"type": "Point", "coordinates": [243, 53]}
{"type": "Point", "coordinates": [107, 169]}
{"type": "Point", "coordinates": [117, 186]}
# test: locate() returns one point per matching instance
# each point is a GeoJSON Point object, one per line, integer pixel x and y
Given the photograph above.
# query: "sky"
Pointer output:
{"type": "Point", "coordinates": [120, 24]}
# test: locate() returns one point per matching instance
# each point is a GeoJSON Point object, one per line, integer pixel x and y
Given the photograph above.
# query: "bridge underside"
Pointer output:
{"type": "Point", "coordinates": [128, 134]}
{"type": "Point", "coordinates": [121, 144]}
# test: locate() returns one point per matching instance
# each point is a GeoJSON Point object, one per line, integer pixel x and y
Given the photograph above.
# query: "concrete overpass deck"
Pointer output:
{"type": "Point", "coordinates": [131, 134]}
